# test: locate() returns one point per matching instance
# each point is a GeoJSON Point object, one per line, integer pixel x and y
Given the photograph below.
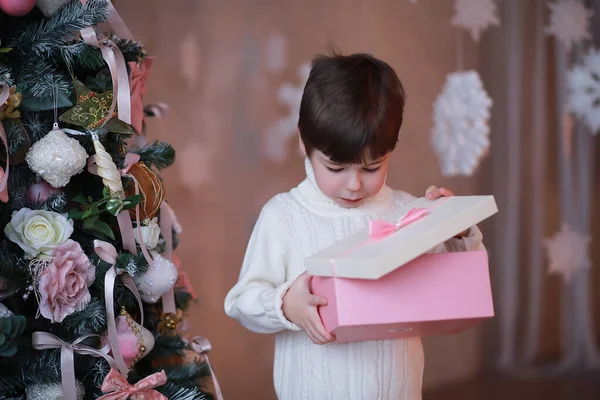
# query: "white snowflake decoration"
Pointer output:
{"type": "Point", "coordinates": [567, 252]}
{"type": "Point", "coordinates": [285, 128]}
{"type": "Point", "coordinates": [275, 53]}
{"type": "Point", "coordinates": [583, 84]}
{"type": "Point", "coordinates": [189, 59]}
{"type": "Point", "coordinates": [569, 21]}
{"type": "Point", "coordinates": [460, 134]}
{"type": "Point", "coordinates": [195, 165]}
{"type": "Point", "coordinates": [475, 16]}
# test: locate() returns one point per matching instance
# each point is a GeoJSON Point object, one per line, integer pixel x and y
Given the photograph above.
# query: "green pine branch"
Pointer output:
{"type": "Point", "coordinates": [44, 38]}
{"type": "Point", "coordinates": [6, 75]}
{"type": "Point", "coordinates": [166, 346]}
{"type": "Point", "coordinates": [173, 391]}
{"type": "Point", "coordinates": [91, 319]}
{"type": "Point", "coordinates": [159, 155]}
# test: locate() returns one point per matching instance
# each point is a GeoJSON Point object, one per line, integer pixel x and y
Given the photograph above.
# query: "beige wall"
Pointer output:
{"type": "Point", "coordinates": [231, 108]}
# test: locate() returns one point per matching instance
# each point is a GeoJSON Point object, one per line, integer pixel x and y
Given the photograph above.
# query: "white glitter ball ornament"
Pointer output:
{"type": "Point", "coordinates": [49, 7]}
{"type": "Point", "coordinates": [158, 280]}
{"type": "Point", "coordinates": [4, 311]}
{"type": "Point", "coordinates": [51, 391]}
{"type": "Point", "coordinates": [56, 158]}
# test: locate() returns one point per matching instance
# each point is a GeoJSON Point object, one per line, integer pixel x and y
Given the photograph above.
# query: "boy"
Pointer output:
{"type": "Point", "coordinates": [350, 116]}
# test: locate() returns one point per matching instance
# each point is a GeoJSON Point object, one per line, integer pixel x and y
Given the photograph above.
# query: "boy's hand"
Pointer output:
{"type": "Point", "coordinates": [433, 192]}
{"type": "Point", "coordinates": [300, 307]}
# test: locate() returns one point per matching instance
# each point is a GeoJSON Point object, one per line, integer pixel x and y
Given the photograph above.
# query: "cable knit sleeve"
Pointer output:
{"type": "Point", "coordinates": [256, 300]}
{"type": "Point", "coordinates": [471, 242]}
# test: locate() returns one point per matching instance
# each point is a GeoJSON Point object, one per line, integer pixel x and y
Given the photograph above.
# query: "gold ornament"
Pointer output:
{"type": "Point", "coordinates": [169, 322]}
{"type": "Point", "coordinates": [151, 188]}
{"type": "Point", "coordinates": [9, 108]}
{"type": "Point", "coordinates": [10, 115]}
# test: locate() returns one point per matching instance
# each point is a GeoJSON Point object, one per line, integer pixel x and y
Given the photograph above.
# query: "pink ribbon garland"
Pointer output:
{"type": "Point", "coordinates": [4, 173]}
{"type": "Point", "coordinates": [201, 345]}
{"type": "Point", "coordinates": [118, 71]}
{"type": "Point", "coordinates": [46, 341]}
{"type": "Point", "coordinates": [166, 228]}
{"type": "Point", "coordinates": [142, 390]}
{"type": "Point", "coordinates": [107, 252]}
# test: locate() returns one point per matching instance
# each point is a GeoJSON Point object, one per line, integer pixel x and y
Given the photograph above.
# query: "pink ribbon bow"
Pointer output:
{"type": "Point", "coordinates": [108, 253]}
{"type": "Point", "coordinates": [201, 346]}
{"type": "Point", "coordinates": [4, 173]}
{"type": "Point", "coordinates": [379, 229]}
{"type": "Point", "coordinates": [45, 341]}
{"type": "Point", "coordinates": [142, 390]}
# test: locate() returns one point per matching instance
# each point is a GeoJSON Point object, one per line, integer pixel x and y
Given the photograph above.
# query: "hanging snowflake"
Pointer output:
{"type": "Point", "coordinates": [285, 128]}
{"type": "Point", "coordinates": [460, 134]}
{"type": "Point", "coordinates": [583, 84]}
{"type": "Point", "coordinates": [275, 53]}
{"type": "Point", "coordinates": [567, 252]}
{"type": "Point", "coordinates": [190, 59]}
{"type": "Point", "coordinates": [569, 21]}
{"type": "Point", "coordinates": [195, 165]}
{"type": "Point", "coordinates": [475, 16]}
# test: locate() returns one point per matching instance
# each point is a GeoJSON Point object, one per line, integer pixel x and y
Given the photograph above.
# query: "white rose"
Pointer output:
{"type": "Point", "coordinates": [150, 234]}
{"type": "Point", "coordinates": [38, 232]}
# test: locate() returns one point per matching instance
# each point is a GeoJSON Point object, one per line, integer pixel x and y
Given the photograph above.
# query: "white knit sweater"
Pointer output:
{"type": "Point", "coordinates": [291, 227]}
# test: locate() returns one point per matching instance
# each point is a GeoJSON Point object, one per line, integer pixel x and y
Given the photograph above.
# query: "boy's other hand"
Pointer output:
{"type": "Point", "coordinates": [300, 307]}
{"type": "Point", "coordinates": [433, 192]}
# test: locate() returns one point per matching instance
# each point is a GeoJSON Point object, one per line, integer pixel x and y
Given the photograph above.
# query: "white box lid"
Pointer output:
{"type": "Point", "coordinates": [358, 256]}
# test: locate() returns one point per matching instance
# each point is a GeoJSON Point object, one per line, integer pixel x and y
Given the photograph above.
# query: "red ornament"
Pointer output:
{"type": "Point", "coordinates": [17, 8]}
{"type": "Point", "coordinates": [39, 193]}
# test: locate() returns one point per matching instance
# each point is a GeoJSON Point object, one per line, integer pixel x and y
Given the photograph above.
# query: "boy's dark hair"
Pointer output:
{"type": "Point", "coordinates": [352, 108]}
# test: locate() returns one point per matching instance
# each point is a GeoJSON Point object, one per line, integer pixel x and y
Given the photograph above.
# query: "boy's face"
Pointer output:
{"type": "Point", "coordinates": [349, 185]}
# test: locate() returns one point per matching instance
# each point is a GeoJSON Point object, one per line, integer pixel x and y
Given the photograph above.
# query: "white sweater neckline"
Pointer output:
{"type": "Point", "coordinates": [310, 196]}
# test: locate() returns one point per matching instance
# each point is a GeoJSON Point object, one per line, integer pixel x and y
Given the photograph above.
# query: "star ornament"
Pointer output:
{"type": "Point", "coordinates": [569, 21]}
{"type": "Point", "coordinates": [567, 252]}
{"type": "Point", "coordinates": [92, 111]}
{"type": "Point", "coordinates": [138, 76]}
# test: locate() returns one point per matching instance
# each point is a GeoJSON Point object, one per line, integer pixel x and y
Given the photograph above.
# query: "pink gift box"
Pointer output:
{"type": "Point", "coordinates": [381, 283]}
{"type": "Point", "coordinates": [431, 295]}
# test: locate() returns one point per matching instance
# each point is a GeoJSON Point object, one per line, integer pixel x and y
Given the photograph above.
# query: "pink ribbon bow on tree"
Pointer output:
{"type": "Point", "coordinates": [201, 346]}
{"type": "Point", "coordinates": [120, 389]}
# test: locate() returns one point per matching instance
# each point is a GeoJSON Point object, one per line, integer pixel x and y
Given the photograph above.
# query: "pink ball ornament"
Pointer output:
{"type": "Point", "coordinates": [17, 8]}
{"type": "Point", "coordinates": [39, 192]}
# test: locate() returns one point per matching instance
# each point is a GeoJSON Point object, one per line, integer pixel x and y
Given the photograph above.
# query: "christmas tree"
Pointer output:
{"type": "Point", "coordinates": [91, 294]}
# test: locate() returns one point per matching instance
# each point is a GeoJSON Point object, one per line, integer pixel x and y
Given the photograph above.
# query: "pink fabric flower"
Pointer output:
{"type": "Point", "coordinates": [64, 282]}
{"type": "Point", "coordinates": [137, 85]}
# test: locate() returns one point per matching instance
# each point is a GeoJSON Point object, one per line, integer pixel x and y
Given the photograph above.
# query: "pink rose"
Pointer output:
{"type": "Point", "coordinates": [64, 282]}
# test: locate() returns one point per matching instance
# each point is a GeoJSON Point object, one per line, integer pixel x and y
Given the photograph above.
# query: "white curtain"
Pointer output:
{"type": "Point", "coordinates": [528, 85]}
